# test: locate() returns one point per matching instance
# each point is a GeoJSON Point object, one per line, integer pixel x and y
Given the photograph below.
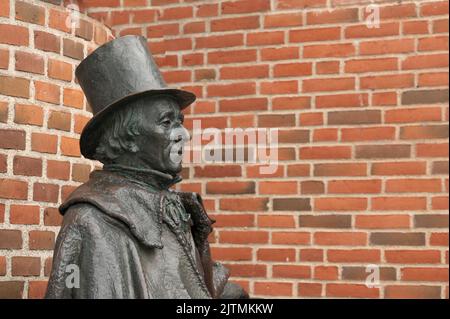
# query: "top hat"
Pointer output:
{"type": "Point", "coordinates": [115, 74]}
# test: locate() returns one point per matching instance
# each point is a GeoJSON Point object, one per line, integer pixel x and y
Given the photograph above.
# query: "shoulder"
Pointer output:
{"type": "Point", "coordinates": [87, 218]}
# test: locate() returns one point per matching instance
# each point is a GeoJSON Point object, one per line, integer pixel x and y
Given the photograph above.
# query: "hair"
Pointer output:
{"type": "Point", "coordinates": [121, 127]}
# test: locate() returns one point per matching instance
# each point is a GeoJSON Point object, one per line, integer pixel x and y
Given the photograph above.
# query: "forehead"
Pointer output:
{"type": "Point", "coordinates": [160, 105]}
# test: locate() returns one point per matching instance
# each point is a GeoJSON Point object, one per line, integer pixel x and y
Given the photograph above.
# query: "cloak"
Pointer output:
{"type": "Point", "coordinates": [121, 239]}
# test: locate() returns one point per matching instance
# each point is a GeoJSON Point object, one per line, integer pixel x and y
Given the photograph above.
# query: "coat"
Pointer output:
{"type": "Point", "coordinates": [117, 240]}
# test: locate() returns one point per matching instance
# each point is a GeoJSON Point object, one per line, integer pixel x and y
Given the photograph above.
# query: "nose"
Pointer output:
{"type": "Point", "coordinates": [180, 133]}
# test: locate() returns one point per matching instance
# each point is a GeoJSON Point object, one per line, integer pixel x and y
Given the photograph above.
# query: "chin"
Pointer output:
{"type": "Point", "coordinates": [175, 169]}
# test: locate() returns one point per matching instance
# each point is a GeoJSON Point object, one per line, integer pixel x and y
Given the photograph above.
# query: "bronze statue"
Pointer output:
{"type": "Point", "coordinates": [125, 234]}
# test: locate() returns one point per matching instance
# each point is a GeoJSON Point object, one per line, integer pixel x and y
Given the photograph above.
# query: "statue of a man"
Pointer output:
{"type": "Point", "coordinates": [125, 234]}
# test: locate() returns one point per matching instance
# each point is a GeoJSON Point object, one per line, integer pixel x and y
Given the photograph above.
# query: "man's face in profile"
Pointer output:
{"type": "Point", "coordinates": [161, 147]}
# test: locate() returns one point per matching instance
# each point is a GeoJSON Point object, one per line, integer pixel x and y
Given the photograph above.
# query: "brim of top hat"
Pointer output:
{"type": "Point", "coordinates": [91, 133]}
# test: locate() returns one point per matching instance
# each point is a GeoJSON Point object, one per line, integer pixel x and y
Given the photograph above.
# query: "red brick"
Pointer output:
{"type": "Point", "coordinates": [244, 72]}
{"type": "Point", "coordinates": [58, 169]}
{"type": "Point", "coordinates": [283, 20]}
{"type": "Point", "coordinates": [382, 221]}
{"type": "Point", "coordinates": [29, 62]}
{"type": "Point", "coordinates": [177, 13]}
{"type": "Point", "coordinates": [59, 120]}
{"type": "Point", "coordinates": [291, 238]}
{"type": "Point", "coordinates": [292, 69]}
{"type": "Point", "coordinates": [291, 271]}
{"type": "Point", "coordinates": [239, 23]}
{"type": "Point", "coordinates": [234, 89]}
{"type": "Point", "coordinates": [340, 204]}
{"type": "Point", "coordinates": [354, 255]}
{"type": "Point", "coordinates": [325, 152]}
{"type": "Point", "coordinates": [230, 187]}
{"type": "Point", "coordinates": [340, 169]}
{"type": "Point", "coordinates": [273, 288]}
{"type": "Point", "coordinates": [41, 240]}
{"type": "Point", "coordinates": [4, 59]}
{"type": "Point", "coordinates": [52, 217]}
{"type": "Point", "coordinates": [246, 204]}
{"type": "Point", "coordinates": [234, 220]}
{"type": "Point", "coordinates": [433, 44]}
{"type": "Point", "coordinates": [30, 13]}
{"type": "Point", "coordinates": [245, 6]}
{"type": "Point", "coordinates": [244, 237]}
{"type": "Point", "coordinates": [25, 266]}
{"type": "Point", "coordinates": [312, 118]}
{"type": "Point", "coordinates": [12, 139]}
{"type": "Point", "coordinates": [70, 146]}
{"type": "Point", "coordinates": [284, 53]}
{"type": "Point", "coordinates": [13, 189]}
{"type": "Point", "coordinates": [265, 38]}
{"type": "Point", "coordinates": [340, 238]}
{"type": "Point", "coordinates": [194, 27]}
{"type": "Point", "coordinates": [425, 61]}
{"type": "Point", "coordinates": [275, 254]}
{"type": "Point", "coordinates": [291, 103]}
{"type": "Point", "coordinates": [351, 290]}
{"type": "Point", "coordinates": [73, 98]}
{"type": "Point", "coordinates": [14, 86]}
{"type": "Point", "coordinates": [413, 256]}
{"type": "Point", "coordinates": [37, 289]}
{"type": "Point", "coordinates": [414, 292]}
{"type": "Point", "coordinates": [279, 87]}
{"type": "Point", "coordinates": [44, 143]}
{"type": "Point", "coordinates": [28, 114]}
{"type": "Point", "coordinates": [329, 50]}
{"type": "Point", "coordinates": [24, 214]}
{"type": "Point", "coordinates": [386, 46]}
{"type": "Point", "coordinates": [47, 92]}
{"type": "Point", "coordinates": [331, 84]}
{"type": "Point", "coordinates": [415, 27]}
{"type": "Point", "coordinates": [279, 221]}
{"type": "Point", "coordinates": [398, 168]}
{"type": "Point", "coordinates": [45, 192]}
{"type": "Point", "coordinates": [387, 81]}
{"type": "Point", "coordinates": [57, 20]}
{"type": "Point", "coordinates": [398, 203]}
{"type": "Point", "coordinates": [161, 30]}
{"type": "Point", "coordinates": [231, 253]}
{"type": "Point", "coordinates": [432, 150]}
{"type": "Point", "coordinates": [433, 79]}
{"type": "Point", "coordinates": [313, 35]}
{"type": "Point", "coordinates": [59, 70]}
{"type": "Point", "coordinates": [14, 34]}
{"type": "Point", "coordinates": [413, 185]}
{"type": "Point", "coordinates": [368, 134]}
{"type": "Point", "coordinates": [434, 8]}
{"type": "Point", "coordinates": [224, 57]}
{"type": "Point", "coordinates": [27, 166]}
{"type": "Point", "coordinates": [362, 31]}
{"type": "Point", "coordinates": [311, 255]}
{"type": "Point", "coordinates": [326, 273]}
{"type": "Point", "coordinates": [331, 17]}
{"type": "Point", "coordinates": [354, 186]}
{"type": "Point", "coordinates": [306, 289]}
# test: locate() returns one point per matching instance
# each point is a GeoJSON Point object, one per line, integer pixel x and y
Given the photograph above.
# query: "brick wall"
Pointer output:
{"type": "Point", "coordinates": [363, 130]}
{"type": "Point", "coordinates": [42, 112]}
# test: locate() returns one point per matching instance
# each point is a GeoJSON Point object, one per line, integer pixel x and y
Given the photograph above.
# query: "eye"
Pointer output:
{"type": "Point", "coordinates": [166, 122]}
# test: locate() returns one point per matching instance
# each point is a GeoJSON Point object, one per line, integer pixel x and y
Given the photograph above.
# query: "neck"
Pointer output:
{"type": "Point", "coordinates": [148, 177]}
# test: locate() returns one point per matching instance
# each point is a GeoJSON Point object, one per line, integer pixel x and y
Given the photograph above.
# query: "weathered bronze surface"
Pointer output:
{"type": "Point", "coordinates": [125, 233]}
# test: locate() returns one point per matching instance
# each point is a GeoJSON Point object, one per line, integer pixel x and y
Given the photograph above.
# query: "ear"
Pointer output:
{"type": "Point", "coordinates": [132, 146]}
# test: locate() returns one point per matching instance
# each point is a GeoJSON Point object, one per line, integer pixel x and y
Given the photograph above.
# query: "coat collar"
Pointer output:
{"type": "Point", "coordinates": [122, 199]}
{"type": "Point", "coordinates": [146, 177]}
{"type": "Point", "coordinates": [138, 205]}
